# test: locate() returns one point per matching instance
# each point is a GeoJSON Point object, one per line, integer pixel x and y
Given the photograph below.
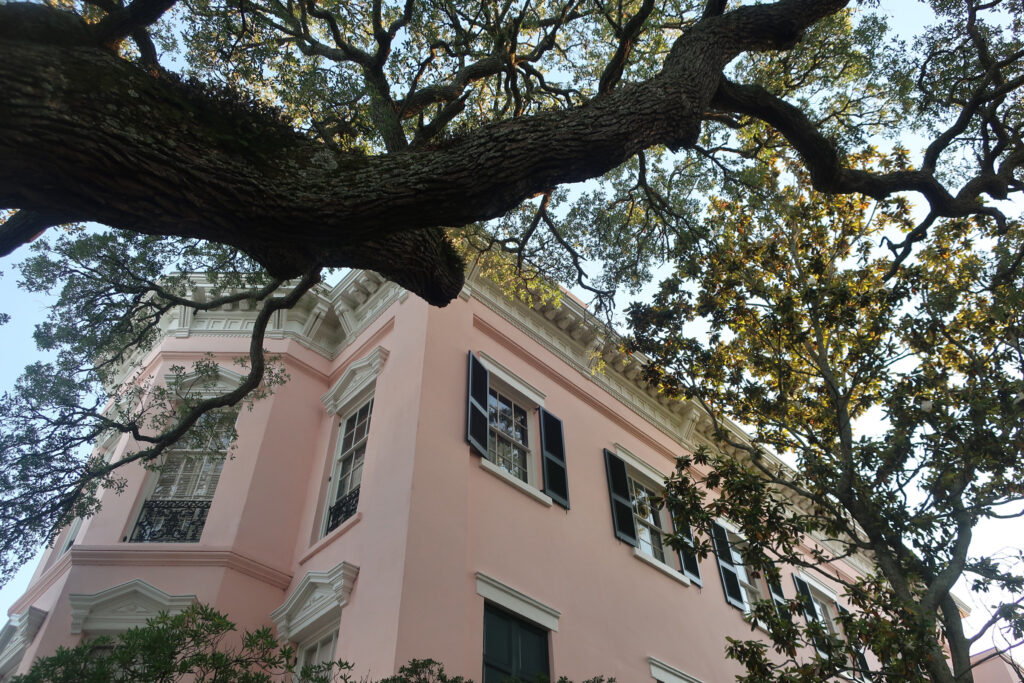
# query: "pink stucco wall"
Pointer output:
{"type": "Point", "coordinates": [429, 516]}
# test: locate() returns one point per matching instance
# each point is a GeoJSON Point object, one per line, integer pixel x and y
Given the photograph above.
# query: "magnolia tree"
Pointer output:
{"type": "Point", "coordinates": [899, 396]}
{"type": "Point", "coordinates": [260, 142]}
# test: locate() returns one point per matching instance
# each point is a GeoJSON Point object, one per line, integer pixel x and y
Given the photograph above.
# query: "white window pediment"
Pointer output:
{"type": "Point", "coordinates": [200, 385]}
{"type": "Point", "coordinates": [315, 602]}
{"type": "Point", "coordinates": [17, 635]}
{"type": "Point", "coordinates": [117, 609]}
{"type": "Point", "coordinates": [356, 377]}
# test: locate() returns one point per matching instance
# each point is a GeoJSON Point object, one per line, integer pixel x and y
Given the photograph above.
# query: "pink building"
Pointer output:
{"type": "Point", "coordinates": [389, 504]}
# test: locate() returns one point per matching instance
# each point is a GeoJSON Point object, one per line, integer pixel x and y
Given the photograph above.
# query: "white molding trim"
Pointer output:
{"type": "Point", "coordinates": [508, 377]}
{"type": "Point", "coordinates": [647, 471]}
{"type": "Point", "coordinates": [505, 596]}
{"type": "Point", "coordinates": [17, 634]}
{"type": "Point", "coordinates": [118, 609]}
{"type": "Point", "coordinates": [661, 671]}
{"type": "Point", "coordinates": [661, 566]}
{"type": "Point", "coordinates": [356, 377]}
{"type": "Point", "coordinates": [227, 380]}
{"type": "Point", "coordinates": [816, 584]}
{"type": "Point", "coordinates": [316, 601]}
{"type": "Point", "coordinates": [514, 482]}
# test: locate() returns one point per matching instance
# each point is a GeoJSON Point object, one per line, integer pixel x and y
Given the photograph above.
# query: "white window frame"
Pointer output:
{"type": "Point", "coordinates": [530, 399]}
{"type": "Point", "coordinates": [356, 386]}
{"type": "Point", "coordinates": [364, 399]}
{"type": "Point", "coordinates": [654, 528]}
{"type": "Point", "coordinates": [202, 457]}
{"type": "Point", "coordinates": [824, 602]}
{"type": "Point", "coordinates": [331, 633]}
{"type": "Point", "coordinates": [639, 473]}
{"type": "Point", "coordinates": [72, 535]}
{"type": "Point", "coordinates": [747, 584]}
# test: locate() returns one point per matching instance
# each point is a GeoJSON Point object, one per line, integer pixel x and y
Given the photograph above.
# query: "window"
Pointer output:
{"type": "Point", "coordinates": [820, 606]}
{"type": "Point", "coordinates": [185, 484]}
{"type": "Point", "coordinates": [742, 587]}
{"type": "Point", "coordinates": [499, 427]}
{"type": "Point", "coordinates": [507, 435]}
{"type": "Point", "coordinates": [317, 650]}
{"type": "Point", "coordinates": [648, 520]}
{"type": "Point", "coordinates": [347, 473]}
{"type": "Point", "coordinates": [638, 521]}
{"type": "Point", "coordinates": [72, 536]}
{"type": "Point", "coordinates": [513, 648]}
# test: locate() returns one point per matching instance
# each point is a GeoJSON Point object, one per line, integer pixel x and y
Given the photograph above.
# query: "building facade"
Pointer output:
{"type": "Point", "coordinates": [459, 483]}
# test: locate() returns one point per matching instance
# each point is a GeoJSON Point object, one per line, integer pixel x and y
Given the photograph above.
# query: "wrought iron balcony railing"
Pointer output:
{"type": "Point", "coordinates": [342, 509]}
{"type": "Point", "coordinates": [170, 521]}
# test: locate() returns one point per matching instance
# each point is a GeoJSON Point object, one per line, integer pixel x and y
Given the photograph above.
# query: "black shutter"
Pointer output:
{"type": "Point", "coordinates": [811, 614]}
{"type": "Point", "coordinates": [687, 558]}
{"type": "Point", "coordinates": [476, 413]}
{"type": "Point", "coordinates": [622, 506]}
{"type": "Point", "coordinates": [552, 443]}
{"type": "Point", "coordinates": [860, 659]}
{"type": "Point", "coordinates": [779, 598]}
{"type": "Point", "coordinates": [727, 568]}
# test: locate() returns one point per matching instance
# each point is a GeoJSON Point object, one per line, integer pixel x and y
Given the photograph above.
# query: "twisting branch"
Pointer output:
{"type": "Point", "coordinates": [123, 22]}
{"type": "Point", "coordinates": [38, 507]}
{"type": "Point", "coordinates": [627, 39]}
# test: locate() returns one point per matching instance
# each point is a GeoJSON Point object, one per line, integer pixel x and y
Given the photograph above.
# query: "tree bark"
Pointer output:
{"type": "Point", "coordinates": [90, 136]}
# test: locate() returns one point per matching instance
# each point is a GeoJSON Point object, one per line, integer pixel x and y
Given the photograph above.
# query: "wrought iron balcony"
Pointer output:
{"type": "Point", "coordinates": [342, 509]}
{"type": "Point", "coordinates": [170, 521]}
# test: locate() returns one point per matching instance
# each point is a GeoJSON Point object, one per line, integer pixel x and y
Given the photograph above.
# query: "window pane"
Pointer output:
{"type": "Point", "coordinates": [498, 640]}
{"type": "Point", "coordinates": [513, 647]}
{"type": "Point", "coordinates": [533, 652]}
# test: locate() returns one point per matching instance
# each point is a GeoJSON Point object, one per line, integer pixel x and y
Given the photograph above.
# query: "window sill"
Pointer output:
{"type": "Point", "coordinates": [489, 467]}
{"type": "Point", "coordinates": [660, 566]}
{"type": "Point", "coordinates": [331, 537]}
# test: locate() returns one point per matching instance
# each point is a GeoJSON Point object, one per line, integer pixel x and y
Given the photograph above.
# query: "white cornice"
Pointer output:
{"type": "Point", "coordinates": [325, 321]}
{"type": "Point", "coordinates": [17, 635]}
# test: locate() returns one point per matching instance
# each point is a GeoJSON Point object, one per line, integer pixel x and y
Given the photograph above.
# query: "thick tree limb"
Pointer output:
{"type": "Point", "coordinates": [23, 227]}
{"type": "Point", "coordinates": [96, 138]}
{"type": "Point", "coordinates": [126, 21]}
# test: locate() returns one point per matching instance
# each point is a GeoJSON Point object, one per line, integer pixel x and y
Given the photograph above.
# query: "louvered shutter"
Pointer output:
{"type": "Point", "coordinates": [622, 506]}
{"type": "Point", "coordinates": [552, 440]}
{"type": "Point", "coordinates": [811, 614]}
{"type": "Point", "coordinates": [476, 412]}
{"type": "Point", "coordinates": [207, 477]}
{"type": "Point", "coordinates": [779, 598]}
{"type": "Point", "coordinates": [177, 477]}
{"type": "Point", "coordinates": [687, 558]}
{"type": "Point", "coordinates": [859, 657]}
{"type": "Point", "coordinates": [727, 568]}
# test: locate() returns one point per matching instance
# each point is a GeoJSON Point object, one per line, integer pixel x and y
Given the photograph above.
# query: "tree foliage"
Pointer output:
{"type": "Point", "coordinates": [199, 644]}
{"type": "Point", "coordinates": [260, 142]}
{"type": "Point", "coordinates": [900, 400]}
